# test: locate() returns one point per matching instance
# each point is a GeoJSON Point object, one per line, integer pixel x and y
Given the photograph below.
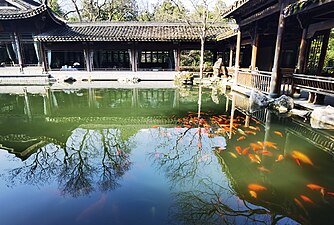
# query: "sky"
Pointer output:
{"type": "Point", "coordinates": [143, 3]}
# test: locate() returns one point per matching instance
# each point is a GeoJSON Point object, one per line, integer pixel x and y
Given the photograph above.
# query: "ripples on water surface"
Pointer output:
{"type": "Point", "coordinates": [144, 156]}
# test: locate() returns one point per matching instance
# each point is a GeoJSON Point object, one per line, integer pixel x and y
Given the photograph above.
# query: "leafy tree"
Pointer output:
{"type": "Point", "coordinates": [168, 11]}
{"type": "Point", "coordinates": [55, 7]}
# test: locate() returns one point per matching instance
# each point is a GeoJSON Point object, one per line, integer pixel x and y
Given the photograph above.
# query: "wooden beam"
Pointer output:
{"type": "Point", "coordinates": [260, 15]}
{"type": "Point", "coordinates": [324, 25]}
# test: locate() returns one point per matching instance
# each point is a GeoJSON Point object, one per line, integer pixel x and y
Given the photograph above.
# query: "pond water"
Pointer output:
{"type": "Point", "coordinates": [125, 156]}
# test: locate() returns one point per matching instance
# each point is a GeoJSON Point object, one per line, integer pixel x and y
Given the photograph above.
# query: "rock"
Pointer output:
{"type": "Point", "coordinates": [282, 104]}
{"type": "Point", "coordinates": [300, 113]}
{"type": "Point", "coordinates": [217, 67]}
{"type": "Point", "coordinates": [323, 118]}
{"type": "Point", "coordinates": [258, 100]}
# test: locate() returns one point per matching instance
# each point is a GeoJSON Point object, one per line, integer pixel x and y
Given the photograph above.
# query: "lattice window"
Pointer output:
{"type": "Point", "coordinates": [314, 54]}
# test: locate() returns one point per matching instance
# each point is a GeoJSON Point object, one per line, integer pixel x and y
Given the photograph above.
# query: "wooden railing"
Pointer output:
{"type": "Point", "coordinates": [312, 83]}
{"type": "Point", "coordinates": [254, 79]}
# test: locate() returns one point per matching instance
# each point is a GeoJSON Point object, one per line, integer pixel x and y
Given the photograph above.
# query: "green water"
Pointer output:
{"type": "Point", "coordinates": [158, 156]}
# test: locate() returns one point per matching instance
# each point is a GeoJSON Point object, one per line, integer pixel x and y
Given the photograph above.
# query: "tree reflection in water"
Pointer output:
{"type": "Point", "coordinates": [90, 159]}
{"type": "Point", "coordinates": [201, 197]}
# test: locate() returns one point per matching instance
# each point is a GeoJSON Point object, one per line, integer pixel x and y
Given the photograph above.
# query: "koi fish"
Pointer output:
{"type": "Point", "coordinates": [244, 152]}
{"type": "Point", "coordinates": [330, 193]}
{"type": "Point", "coordinates": [253, 159]}
{"type": "Point", "coordinates": [250, 132]}
{"type": "Point", "coordinates": [253, 128]}
{"type": "Point", "coordinates": [98, 97]}
{"type": "Point", "coordinates": [263, 169]}
{"type": "Point", "coordinates": [258, 158]}
{"type": "Point", "coordinates": [238, 149]}
{"type": "Point", "coordinates": [241, 131]}
{"type": "Point", "coordinates": [270, 144]}
{"type": "Point", "coordinates": [93, 209]}
{"type": "Point", "coordinates": [261, 144]}
{"type": "Point", "coordinates": [241, 138]}
{"type": "Point", "coordinates": [253, 194]}
{"type": "Point", "coordinates": [233, 155]}
{"type": "Point", "coordinates": [299, 204]}
{"type": "Point", "coordinates": [315, 187]}
{"type": "Point", "coordinates": [278, 133]}
{"type": "Point", "coordinates": [301, 157]}
{"type": "Point", "coordinates": [155, 126]}
{"type": "Point", "coordinates": [280, 158]}
{"type": "Point", "coordinates": [265, 152]}
{"type": "Point", "coordinates": [255, 147]}
{"type": "Point", "coordinates": [256, 187]}
{"type": "Point", "coordinates": [306, 199]}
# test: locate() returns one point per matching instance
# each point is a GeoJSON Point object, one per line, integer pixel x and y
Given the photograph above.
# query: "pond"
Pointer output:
{"type": "Point", "coordinates": [140, 155]}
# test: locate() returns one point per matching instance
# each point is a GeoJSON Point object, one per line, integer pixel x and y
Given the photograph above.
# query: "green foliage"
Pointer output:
{"type": "Point", "coordinates": [192, 58]}
{"type": "Point", "coordinates": [54, 6]}
{"type": "Point", "coordinates": [168, 11]}
{"type": "Point", "coordinates": [329, 60]}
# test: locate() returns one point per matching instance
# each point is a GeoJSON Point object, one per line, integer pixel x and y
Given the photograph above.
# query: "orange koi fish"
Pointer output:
{"type": "Point", "coordinates": [253, 159]}
{"type": "Point", "coordinates": [301, 157]}
{"type": "Point", "coordinates": [253, 194]}
{"type": "Point", "coordinates": [298, 162]}
{"type": "Point", "coordinates": [255, 147]}
{"type": "Point", "coordinates": [250, 132]}
{"type": "Point", "coordinates": [241, 138]}
{"type": "Point", "coordinates": [280, 158]}
{"type": "Point", "coordinates": [278, 133]}
{"type": "Point", "coordinates": [253, 128]}
{"type": "Point", "coordinates": [315, 187]}
{"type": "Point", "coordinates": [263, 169]}
{"type": "Point", "coordinates": [256, 187]}
{"type": "Point", "coordinates": [306, 199]}
{"type": "Point", "coordinates": [258, 158]}
{"type": "Point", "coordinates": [155, 126]}
{"type": "Point", "coordinates": [330, 193]}
{"type": "Point", "coordinates": [244, 152]}
{"type": "Point", "coordinates": [238, 149]}
{"type": "Point", "coordinates": [270, 144]}
{"type": "Point", "coordinates": [265, 152]}
{"type": "Point", "coordinates": [299, 204]}
{"type": "Point", "coordinates": [261, 144]}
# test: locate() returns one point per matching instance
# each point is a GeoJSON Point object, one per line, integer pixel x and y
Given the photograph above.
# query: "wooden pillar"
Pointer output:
{"type": "Point", "coordinates": [254, 50]}
{"type": "Point", "coordinates": [177, 59]}
{"type": "Point", "coordinates": [45, 65]}
{"type": "Point", "coordinates": [133, 59]}
{"type": "Point", "coordinates": [275, 81]}
{"type": "Point", "coordinates": [323, 51]}
{"type": "Point", "coordinates": [231, 57]}
{"type": "Point", "coordinates": [237, 55]}
{"type": "Point", "coordinates": [18, 50]}
{"type": "Point", "coordinates": [302, 53]}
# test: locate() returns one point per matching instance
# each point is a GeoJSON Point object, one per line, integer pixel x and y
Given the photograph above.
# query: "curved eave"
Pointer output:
{"type": "Point", "coordinates": [304, 6]}
{"type": "Point", "coordinates": [24, 15]}
{"type": "Point", "coordinates": [88, 39]}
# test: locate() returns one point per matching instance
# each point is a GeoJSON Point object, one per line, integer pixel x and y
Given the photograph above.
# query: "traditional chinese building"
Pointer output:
{"type": "Point", "coordinates": [280, 43]}
{"type": "Point", "coordinates": [31, 35]}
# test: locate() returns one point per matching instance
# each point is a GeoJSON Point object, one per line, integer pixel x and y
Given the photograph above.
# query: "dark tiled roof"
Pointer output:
{"type": "Point", "coordinates": [18, 9]}
{"type": "Point", "coordinates": [233, 7]}
{"type": "Point", "coordinates": [304, 5]}
{"type": "Point", "coordinates": [131, 31]}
